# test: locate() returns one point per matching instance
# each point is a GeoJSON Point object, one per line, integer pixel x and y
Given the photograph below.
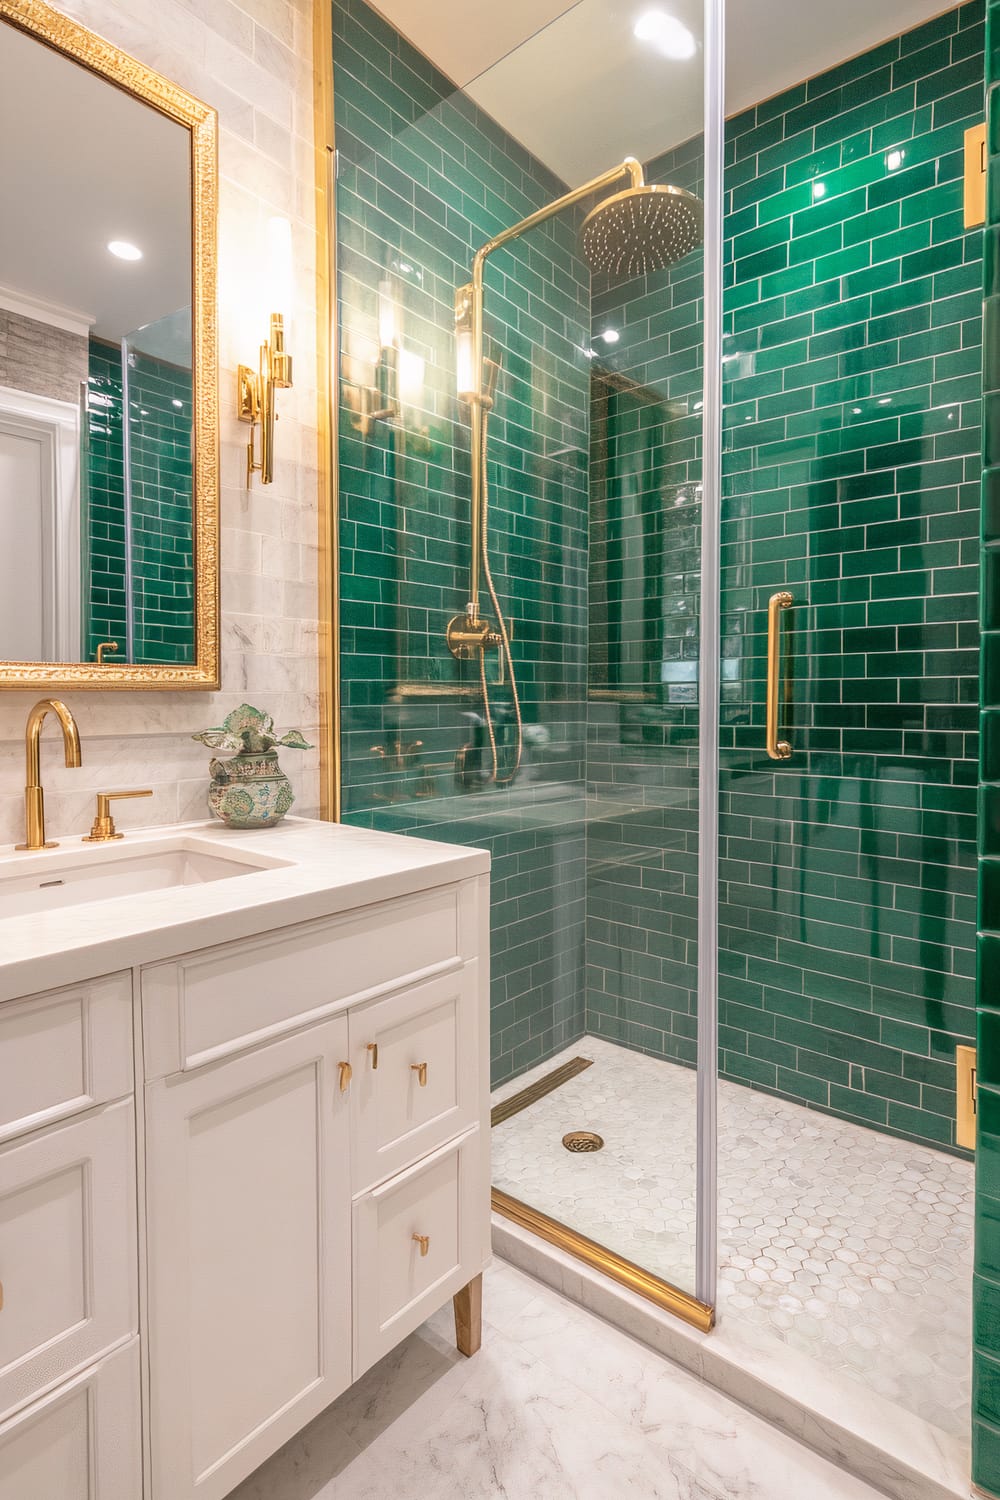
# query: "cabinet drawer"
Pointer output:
{"type": "Point", "coordinates": [217, 1002]}
{"type": "Point", "coordinates": [416, 1073]}
{"type": "Point", "coordinates": [82, 1441]}
{"type": "Point", "coordinates": [64, 1051]}
{"type": "Point", "coordinates": [68, 1250]}
{"type": "Point", "coordinates": [396, 1286]}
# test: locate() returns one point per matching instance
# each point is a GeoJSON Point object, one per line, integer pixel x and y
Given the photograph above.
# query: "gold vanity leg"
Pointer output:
{"type": "Point", "coordinates": [469, 1316]}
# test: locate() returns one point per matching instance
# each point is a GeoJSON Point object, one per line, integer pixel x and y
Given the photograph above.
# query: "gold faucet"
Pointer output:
{"type": "Point", "coordinates": [34, 801]}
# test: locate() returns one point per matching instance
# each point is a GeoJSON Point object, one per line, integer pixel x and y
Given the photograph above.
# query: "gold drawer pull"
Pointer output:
{"type": "Point", "coordinates": [424, 1241]}
{"type": "Point", "coordinates": [346, 1074]}
{"type": "Point", "coordinates": [421, 1071]}
{"type": "Point", "coordinates": [372, 1050]}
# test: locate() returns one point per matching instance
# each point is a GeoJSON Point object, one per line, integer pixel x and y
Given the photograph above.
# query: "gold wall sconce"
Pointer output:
{"type": "Point", "coordinates": [255, 396]}
{"type": "Point", "coordinates": [378, 402]}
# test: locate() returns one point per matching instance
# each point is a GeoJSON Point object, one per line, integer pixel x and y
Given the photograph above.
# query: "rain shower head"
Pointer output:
{"type": "Point", "coordinates": [642, 229]}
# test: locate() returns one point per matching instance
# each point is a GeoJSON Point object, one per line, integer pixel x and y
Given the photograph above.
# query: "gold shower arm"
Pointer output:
{"type": "Point", "coordinates": [469, 305]}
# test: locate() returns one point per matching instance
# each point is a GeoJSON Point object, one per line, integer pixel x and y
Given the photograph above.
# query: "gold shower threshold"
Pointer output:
{"type": "Point", "coordinates": [662, 1293]}
{"type": "Point", "coordinates": [625, 1272]}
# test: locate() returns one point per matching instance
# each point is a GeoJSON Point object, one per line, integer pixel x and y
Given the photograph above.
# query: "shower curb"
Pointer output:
{"type": "Point", "coordinates": [854, 1428]}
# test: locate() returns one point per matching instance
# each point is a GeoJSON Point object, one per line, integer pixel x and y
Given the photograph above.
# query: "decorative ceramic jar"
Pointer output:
{"type": "Point", "coordinates": [250, 790]}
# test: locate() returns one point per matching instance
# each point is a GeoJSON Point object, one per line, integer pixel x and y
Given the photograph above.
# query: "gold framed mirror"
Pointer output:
{"type": "Point", "coordinates": [109, 446]}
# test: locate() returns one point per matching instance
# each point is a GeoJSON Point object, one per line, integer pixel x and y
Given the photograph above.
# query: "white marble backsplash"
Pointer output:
{"type": "Point", "coordinates": [253, 62]}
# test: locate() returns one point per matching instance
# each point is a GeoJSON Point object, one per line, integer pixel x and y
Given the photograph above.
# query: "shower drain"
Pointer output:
{"type": "Point", "coordinates": [583, 1140]}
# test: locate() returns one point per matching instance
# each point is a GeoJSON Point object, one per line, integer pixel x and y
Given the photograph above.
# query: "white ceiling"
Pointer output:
{"type": "Point", "coordinates": [573, 84]}
{"type": "Point", "coordinates": [84, 163]}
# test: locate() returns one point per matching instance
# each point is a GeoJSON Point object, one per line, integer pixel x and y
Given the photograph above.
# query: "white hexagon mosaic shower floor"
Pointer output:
{"type": "Point", "coordinates": [846, 1244]}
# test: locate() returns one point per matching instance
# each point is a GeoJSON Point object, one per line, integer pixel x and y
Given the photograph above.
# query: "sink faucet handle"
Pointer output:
{"type": "Point", "coordinates": [103, 828]}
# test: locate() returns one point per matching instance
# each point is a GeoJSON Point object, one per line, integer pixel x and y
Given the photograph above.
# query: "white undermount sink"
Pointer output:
{"type": "Point", "coordinates": [43, 882]}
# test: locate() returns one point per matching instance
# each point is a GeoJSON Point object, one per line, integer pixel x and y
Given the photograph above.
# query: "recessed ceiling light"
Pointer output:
{"type": "Point", "coordinates": [668, 35]}
{"type": "Point", "coordinates": [611, 335]}
{"type": "Point", "coordinates": [124, 250]}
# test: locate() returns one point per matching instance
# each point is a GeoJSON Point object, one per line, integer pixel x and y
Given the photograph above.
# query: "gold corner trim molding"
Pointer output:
{"type": "Point", "coordinates": [327, 420]}
{"type": "Point", "coordinates": [102, 57]}
{"type": "Point", "coordinates": [662, 1293]}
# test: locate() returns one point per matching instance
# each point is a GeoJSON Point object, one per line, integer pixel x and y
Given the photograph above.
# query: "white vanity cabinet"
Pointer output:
{"type": "Point", "coordinates": [69, 1313]}
{"type": "Point", "coordinates": [232, 1177]}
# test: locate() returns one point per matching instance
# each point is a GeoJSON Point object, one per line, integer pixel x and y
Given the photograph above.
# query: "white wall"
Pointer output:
{"type": "Point", "coordinates": [253, 62]}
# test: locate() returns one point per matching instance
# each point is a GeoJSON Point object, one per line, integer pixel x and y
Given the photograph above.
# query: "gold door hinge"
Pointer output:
{"type": "Point", "coordinates": [965, 1111]}
{"type": "Point", "coordinates": [975, 176]}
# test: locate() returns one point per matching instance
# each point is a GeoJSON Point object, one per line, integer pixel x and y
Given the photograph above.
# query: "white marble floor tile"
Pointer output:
{"type": "Point", "coordinates": [556, 1406]}
{"type": "Point", "coordinates": [842, 1243]}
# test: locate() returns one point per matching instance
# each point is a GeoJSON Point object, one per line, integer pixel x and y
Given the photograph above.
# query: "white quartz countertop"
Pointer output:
{"type": "Point", "coordinates": [329, 868]}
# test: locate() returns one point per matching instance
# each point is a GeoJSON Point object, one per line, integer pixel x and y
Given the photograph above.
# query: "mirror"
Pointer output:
{"type": "Point", "coordinates": [108, 447]}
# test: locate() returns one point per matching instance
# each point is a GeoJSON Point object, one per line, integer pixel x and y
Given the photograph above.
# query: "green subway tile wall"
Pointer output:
{"type": "Point", "coordinates": [160, 396]}
{"type": "Point", "coordinates": [851, 478]}
{"type": "Point", "coordinates": [424, 179]}
{"type": "Point", "coordinates": [104, 557]}
{"type": "Point", "coordinates": [986, 1291]}
{"type": "Point", "coordinates": [853, 391]}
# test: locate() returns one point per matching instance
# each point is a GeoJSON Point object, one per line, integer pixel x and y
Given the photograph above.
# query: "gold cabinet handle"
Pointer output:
{"type": "Point", "coordinates": [424, 1241]}
{"type": "Point", "coordinates": [777, 749]}
{"type": "Point", "coordinates": [372, 1050]}
{"type": "Point", "coordinates": [421, 1071]}
{"type": "Point", "coordinates": [346, 1074]}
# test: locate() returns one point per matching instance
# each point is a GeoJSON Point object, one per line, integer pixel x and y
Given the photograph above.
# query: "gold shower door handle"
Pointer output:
{"type": "Point", "coordinates": [777, 749]}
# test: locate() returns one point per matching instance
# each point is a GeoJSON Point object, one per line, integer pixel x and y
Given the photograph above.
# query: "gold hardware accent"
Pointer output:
{"type": "Point", "coordinates": [535, 1091]}
{"type": "Point", "coordinates": [975, 176]}
{"type": "Point", "coordinates": [582, 1141]}
{"type": "Point", "coordinates": [372, 1050]}
{"type": "Point", "coordinates": [34, 798]}
{"type": "Point", "coordinates": [424, 1241]}
{"type": "Point", "coordinates": [346, 1074]}
{"type": "Point", "coordinates": [99, 56]}
{"type": "Point", "coordinates": [967, 1100]}
{"type": "Point", "coordinates": [104, 646]}
{"type": "Point", "coordinates": [699, 1314]}
{"type": "Point", "coordinates": [103, 827]}
{"type": "Point", "coordinates": [327, 419]}
{"type": "Point", "coordinates": [255, 399]}
{"type": "Point", "coordinates": [777, 749]}
{"type": "Point", "coordinates": [421, 1071]}
{"type": "Point", "coordinates": [371, 403]}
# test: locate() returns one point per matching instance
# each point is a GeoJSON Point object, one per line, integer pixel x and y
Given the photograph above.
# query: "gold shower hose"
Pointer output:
{"type": "Point", "coordinates": [502, 631]}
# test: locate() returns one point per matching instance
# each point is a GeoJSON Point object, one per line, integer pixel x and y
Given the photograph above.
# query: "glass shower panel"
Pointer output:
{"type": "Point", "coordinates": [850, 548]}
{"type": "Point", "coordinates": [548, 504]}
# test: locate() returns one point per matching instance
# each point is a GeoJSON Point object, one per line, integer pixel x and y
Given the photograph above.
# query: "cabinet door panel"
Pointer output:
{"type": "Point", "coordinates": [249, 1242]}
{"type": "Point", "coordinates": [432, 1027]}
{"type": "Point", "coordinates": [67, 1250]}
{"type": "Point", "coordinates": [64, 1051]}
{"type": "Point", "coordinates": [82, 1441]}
{"type": "Point", "coordinates": [417, 1240]}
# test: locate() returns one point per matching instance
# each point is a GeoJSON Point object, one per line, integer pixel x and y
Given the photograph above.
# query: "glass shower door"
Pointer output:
{"type": "Point", "coordinates": [583, 753]}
